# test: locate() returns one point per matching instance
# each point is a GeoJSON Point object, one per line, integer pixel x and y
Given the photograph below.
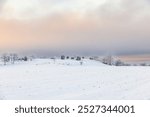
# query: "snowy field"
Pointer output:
{"type": "Point", "coordinates": [67, 79]}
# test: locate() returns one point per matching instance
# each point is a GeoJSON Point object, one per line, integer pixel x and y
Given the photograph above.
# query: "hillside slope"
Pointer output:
{"type": "Point", "coordinates": [67, 79]}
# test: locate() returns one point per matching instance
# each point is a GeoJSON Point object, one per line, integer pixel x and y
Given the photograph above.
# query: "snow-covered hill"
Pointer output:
{"type": "Point", "coordinates": [68, 79]}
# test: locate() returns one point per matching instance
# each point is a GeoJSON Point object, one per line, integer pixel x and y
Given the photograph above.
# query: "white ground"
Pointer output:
{"type": "Point", "coordinates": [67, 79]}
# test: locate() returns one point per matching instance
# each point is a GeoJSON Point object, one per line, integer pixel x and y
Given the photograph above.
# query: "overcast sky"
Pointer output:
{"type": "Point", "coordinates": [75, 26]}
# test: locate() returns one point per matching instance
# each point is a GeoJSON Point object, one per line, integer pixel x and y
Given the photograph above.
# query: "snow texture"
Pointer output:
{"type": "Point", "coordinates": [44, 79]}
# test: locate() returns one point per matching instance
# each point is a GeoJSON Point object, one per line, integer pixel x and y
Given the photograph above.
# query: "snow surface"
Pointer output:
{"type": "Point", "coordinates": [67, 79]}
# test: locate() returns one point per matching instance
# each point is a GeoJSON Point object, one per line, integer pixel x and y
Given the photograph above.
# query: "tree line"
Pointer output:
{"type": "Point", "coordinates": [12, 58]}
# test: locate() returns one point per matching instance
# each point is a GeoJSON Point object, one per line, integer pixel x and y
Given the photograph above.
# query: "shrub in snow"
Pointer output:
{"type": "Point", "coordinates": [52, 58]}
{"type": "Point", "coordinates": [91, 58]}
{"type": "Point", "coordinates": [108, 60]}
{"type": "Point", "coordinates": [81, 62]}
{"type": "Point", "coordinates": [62, 57]}
{"type": "Point", "coordinates": [119, 63]}
{"type": "Point", "coordinates": [25, 58]}
{"type": "Point", "coordinates": [127, 64]}
{"type": "Point", "coordinates": [143, 64]}
{"type": "Point", "coordinates": [78, 58]}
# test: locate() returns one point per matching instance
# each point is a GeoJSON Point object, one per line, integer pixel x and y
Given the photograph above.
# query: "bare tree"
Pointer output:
{"type": "Point", "coordinates": [13, 58]}
{"type": "Point", "coordinates": [5, 58]}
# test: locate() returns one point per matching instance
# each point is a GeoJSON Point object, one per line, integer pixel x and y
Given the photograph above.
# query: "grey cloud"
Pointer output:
{"type": "Point", "coordinates": [120, 27]}
{"type": "Point", "coordinates": [123, 9]}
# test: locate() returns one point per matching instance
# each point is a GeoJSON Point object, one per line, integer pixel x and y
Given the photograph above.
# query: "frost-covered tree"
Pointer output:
{"type": "Point", "coordinates": [108, 60]}
{"type": "Point", "coordinates": [13, 58]}
{"type": "Point", "coordinates": [5, 58]}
